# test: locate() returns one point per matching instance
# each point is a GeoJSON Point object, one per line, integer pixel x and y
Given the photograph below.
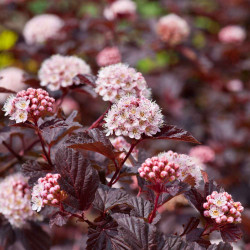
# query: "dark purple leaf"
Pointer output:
{"type": "Point", "coordinates": [174, 243]}
{"type": "Point", "coordinates": [33, 237]}
{"type": "Point", "coordinates": [191, 225]}
{"type": "Point", "coordinates": [92, 140]}
{"type": "Point", "coordinates": [141, 208]}
{"type": "Point", "coordinates": [106, 198]}
{"type": "Point", "coordinates": [105, 237]}
{"type": "Point", "coordinates": [220, 246]}
{"type": "Point", "coordinates": [135, 232]}
{"type": "Point", "coordinates": [84, 79]}
{"type": "Point", "coordinates": [171, 132]}
{"type": "Point", "coordinates": [210, 187]}
{"type": "Point", "coordinates": [7, 234]}
{"type": "Point", "coordinates": [78, 179]}
{"type": "Point", "coordinates": [231, 233]}
{"type": "Point", "coordinates": [59, 219]}
{"type": "Point", "coordinates": [196, 199]}
{"type": "Point", "coordinates": [4, 90]}
{"type": "Point", "coordinates": [34, 170]}
{"type": "Point", "coordinates": [35, 83]}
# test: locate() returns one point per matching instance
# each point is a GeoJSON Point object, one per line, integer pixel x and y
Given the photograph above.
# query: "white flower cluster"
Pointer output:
{"type": "Point", "coordinates": [187, 165]}
{"type": "Point", "coordinates": [120, 9]}
{"type": "Point", "coordinates": [172, 29]}
{"type": "Point", "coordinates": [118, 80]}
{"type": "Point", "coordinates": [58, 71]}
{"type": "Point", "coordinates": [41, 28]}
{"type": "Point", "coordinates": [133, 117]}
{"type": "Point", "coordinates": [15, 198]}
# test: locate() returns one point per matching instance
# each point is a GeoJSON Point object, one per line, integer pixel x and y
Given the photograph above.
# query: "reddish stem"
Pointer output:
{"type": "Point", "coordinates": [12, 151]}
{"type": "Point", "coordinates": [152, 215]}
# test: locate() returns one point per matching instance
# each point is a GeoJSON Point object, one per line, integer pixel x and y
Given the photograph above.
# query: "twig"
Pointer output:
{"type": "Point", "coordinates": [19, 157]}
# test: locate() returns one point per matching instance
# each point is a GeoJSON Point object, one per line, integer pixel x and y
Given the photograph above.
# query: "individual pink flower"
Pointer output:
{"type": "Point", "coordinates": [159, 170]}
{"type": "Point", "coordinates": [15, 198]}
{"type": "Point", "coordinates": [133, 117]}
{"type": "Point", "coordinates": [41, 28]}
{"type": "Point", "coordinates": [29, 105]}
{"type": "Point", "coordinates": [11, 78]}
{"type": "Point", "coordinates": [235, 85]}
{"type": "Point", "coordinates": [120, 9]}
{"type": "Point", "coordinates": [120, 144]}
{"type": "Point", "coordinates": [188, 166]}
{"type": "Point", "coordinates": [118, 80]}
{"type": "Point", "coordinates": [58, 71]}
{"type": "Point", "coordinates": [172, 29]}
{"type": "Point", "coordinates": [232, 34]}
{"type": "Point", "coordinates": [203, 153]}
{"type": "Point", "coordinates": [108, 56]}
{"type": "Point", "coordinates": [47, 192]}
{"type": "Point", "coordinates": [222, 208]}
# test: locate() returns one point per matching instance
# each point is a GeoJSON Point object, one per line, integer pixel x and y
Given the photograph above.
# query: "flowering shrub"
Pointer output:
{"type": "Point", "coordinates": [80, 142]}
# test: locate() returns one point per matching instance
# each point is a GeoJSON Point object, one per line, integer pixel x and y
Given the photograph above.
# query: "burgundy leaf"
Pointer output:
{"type": "Point", "coordinates": [141, 207]}
{"type": "Point", "coordinates": [35, 83]}
{"type": "Point", "coordinates": [210, 187]}
{"type": "Point", "coordinates": [32, 237]}
{"type": "Point", "coordinates": [171, 132]}
{"type": "Point", "coordinates": [105, 237]}
{"type": "Point", "coordinates": [220, 246]}
{"type": "Point", "coordinates": [106, 198]}
{"type": "Point", "coordinates": [7, 234]}
{"type": "Point", "coordinates": [4, 90]}
{"type": "Point", "coordinates": [196, 199]}
{"type": "Point", "coordinates": [231, 233]}
{"type": "Point", "coordinates": [34, 170]}
{"type": "Point", "coordinates": [78, 179]}
{"type": "Point", "coordinates": [135, 232]}
{"type": "Point", "coordinates": [84, 79]}
{"type": "Point", "coordinates": [191, 225]}
{"type": "Point", "coordinates": [59, 219]}
{"type": "Point", "coordinates": [92, 140]}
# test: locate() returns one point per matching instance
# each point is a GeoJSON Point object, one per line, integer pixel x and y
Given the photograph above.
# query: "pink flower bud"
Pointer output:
{"type": "Point", "coordinates": [45, 201]}
{"type": "Point", "coordinates": [206, 205]}
{"type": "Point", "coordinates": [49, 109]}
{"type": "Point", "coordinates": [230, 219]}
{"type": "Point", "coordinates": [224, 218]}
{"type": "Point", "coordinates": [238, 220]}
{"type": "Point", "coordinates": [232, 210]}
{"type": "Point", "coordinates": [34, 107]}
{"type": "Point", "coordinates": [151, 175]}
{"type": "Point", "coordinates": [50, 197]}
{"type": "Point", "coordinates": [167, 168]}
{"type": "Point", "coordinates": [54, 201]}
{"type": "Point", "coordinates": [52, 190]}
{"type": "Point", "coordinates": [224, 209]}
{"type": "Point", "coordinates": [48, 185]}
{"type": "Point", "coordinates": [218, 220]}
{"type": "Point", "coordinates": [36, 113]}
{"type": "Point", "coordinates": [41, 108]}
{"type": "Point", "coordinates": [40, 97]}
{"type": "Point", "coordinates": [240, 209]}
{"type": "Point", "coordinates": [164, 174]}
{"type": "Point", "coordinates": [44, 102]}
{"type": "Point", "coordinates": [156, 169]}
{"type": "Point", "coordinates": [172, 178]}
{"type": "Point", "coordinates": [206, 213]}
{"type": "Point", "coordinates": [57, 187]}
{"type": "Point", "coordinates": [147, 169]}
{"type": "Point", "coordinates": [142, 174]}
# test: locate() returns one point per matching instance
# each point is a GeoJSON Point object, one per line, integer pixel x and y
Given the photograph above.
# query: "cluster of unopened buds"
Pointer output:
{"type": "Point", "coordinates": [15, 198]}
{"type": "Point", "coordinates": [108, 56]}
{"type": "Point", "coordinates": [118, 80]}
{"type": "Point", "coordinates": [47, 192]}
{"type": "Point", "coordinates": [28, 105]}
{"type": "Point", "coordinates": [203, 153]}
{"type": "Point", "coordinates": [159, 170]}
{"type": "Point", "coordinates": [222, 208]}
{"type": "Point", "coordinates": [133, 117]}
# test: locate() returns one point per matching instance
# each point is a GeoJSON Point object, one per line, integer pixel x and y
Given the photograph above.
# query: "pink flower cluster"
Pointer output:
{"type": "Point", "coordinates": [232, 34]}
{"type": "Point", "coordinates": [133, 117]}
{"type": "Point", "coordinates": [118, 80]}
{"type": "Point", "coordinates": [28, 105]}
{"type": "Point", "coordinates": [188, 166]}
{"type": "Point", "coordinates": [108, 56]}
{"type": "Point", "coordinates": [234, 85]}
{"type": "Point", "coordinates": [120, 9]}
{"type": "Point", "coordinates": [203, 153]}
{"type": "Point", "coordinates": [13, 79]}
{"type": "Point", "coordinates": [58, 71]}
{"type": "Point", "coordinates": [47, 192]}
{"type": "Point", "coordinates": [222, 208]}
{"type": "Point", "coordinates": [121, 144]}
{"type": "Point", "coordinates": [41, 28]}
{"type": "Point", "coordinates": [172, 29]}
{"type": "Point", "coordinates": [159, 170]}
{"type": "Point", "coordinates": [15, 199]}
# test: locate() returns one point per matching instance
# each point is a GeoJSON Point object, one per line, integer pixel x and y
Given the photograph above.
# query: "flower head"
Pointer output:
{"type": "Point", "coordinates": [172, 29]}
{"type": "Point", "coordinates": [58, 71]}
{"type": "Point", "coordinates": [133, 117]}
{"type": "Point", "coordinates": [118, 80]}
{"type": "Point", "coordinates": [28, 104]}
{"type": "Point", "coordinates": [47, 192]}
{"type": "Point", "coordinates": [41, 28]}
{"type": "Point", "coordinates": [108, 56]}
{"type": "Point", "coordinates": [15, 199]}
{"type": "Point", "coordinates": [120, 9]}
{"type": "Point", "coordinates": [232, 34]}
{"type": "Point", "coordinates": [13, 79]}
{"type": "Point", "coordinates": [159, 170]}
{"type": "Point", "coordinates": [222, 208]}
{"type": "Point", "coordinates": [203, 153]}
{"type": "Point", "coordinates": [188, 166]}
